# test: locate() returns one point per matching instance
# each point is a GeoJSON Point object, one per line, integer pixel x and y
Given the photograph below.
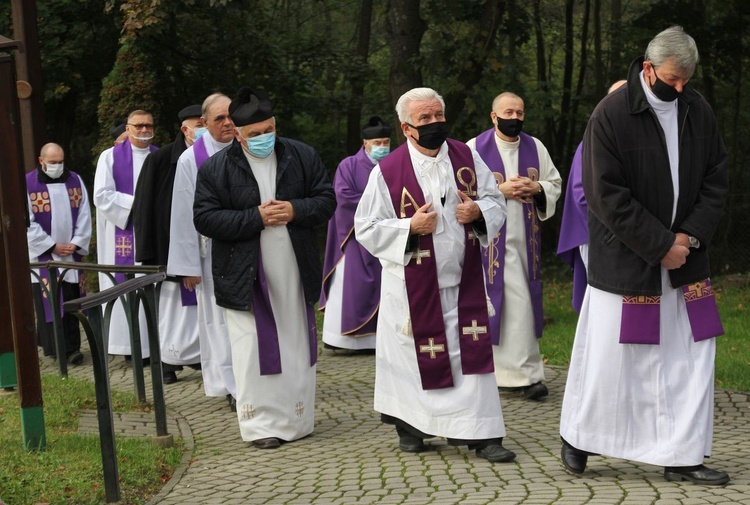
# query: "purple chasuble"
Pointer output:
{"type": "Point", "coordinates": [40, 206]}
{"type": "Point", "coordinates": [574, 229]}
{"type": "Point", "coordinates": [493, 257]}
{"type": "Point", "coordinates": [640, 315]}
{"type": "Point", "coordinates": [421, 277]}
{"type": "Point", "coordinates": [362, 271]}
{"type": "Point", "coordinates": [122, 172]}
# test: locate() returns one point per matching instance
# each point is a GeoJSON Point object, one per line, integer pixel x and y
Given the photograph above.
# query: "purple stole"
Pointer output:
{"type": "Point", "coordinates": [361, 273]}
{"type": "Point", "coordinates": [187, 297]}
{"type": "Point", "coordinates": [421, 276]}
{"type": "Point", "coordinates": [40, 206]}
{"type": "Point", "coordinates": [574, 229]}
{"type": "Point", "coordinates": [640, 315]}
{"type": "Point", "coordinates": [494, 256]}
{"type": "Point", "coordinates": [122, 172]}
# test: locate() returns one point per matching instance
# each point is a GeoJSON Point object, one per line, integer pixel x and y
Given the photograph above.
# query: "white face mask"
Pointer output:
{"type": "Point", "coordinates": [54, 170]}
{"type": "Point", "coordinates": [143, 137]}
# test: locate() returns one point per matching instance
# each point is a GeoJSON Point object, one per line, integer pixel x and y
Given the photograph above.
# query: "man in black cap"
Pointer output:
{"type": "Point", "coordinates": [351, 282]}
{"type": "Point", "coordinates": [152, 205]}
{"type": "Point", "coordinates": [259, 200]}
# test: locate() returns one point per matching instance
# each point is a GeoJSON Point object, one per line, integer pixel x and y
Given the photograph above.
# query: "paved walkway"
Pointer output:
{"type": "Point", "coordinates": [352, 457]}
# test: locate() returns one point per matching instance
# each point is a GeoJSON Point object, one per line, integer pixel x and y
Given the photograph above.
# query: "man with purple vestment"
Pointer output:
{"type": "Point", "coordinates": [351, 275]}
{"type": "Point", "coordinates": [641, 378]}
{"type": "Point", "coordinates": [425, 211]}
{"type": "Point", "coordinates": [152, 210]}
{"type": "Point", "coordinates": [260, 201]}
{"type": "Point", "coordinates": [59, 230]}
{"type": "Point", "coordinates": [190, 252]}
{"type": "Point", "coordinates": [531, 184]}
{"type": "Point", "coordinates": [116, 176]}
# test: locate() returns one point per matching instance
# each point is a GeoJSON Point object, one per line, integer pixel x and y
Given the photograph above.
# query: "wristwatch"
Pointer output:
{"type": "Point", "coordinates": [694, 242]}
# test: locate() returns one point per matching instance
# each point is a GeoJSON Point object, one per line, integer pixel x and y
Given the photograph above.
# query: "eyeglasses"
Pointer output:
{"type": "Point", "coordinates": [142, 126]}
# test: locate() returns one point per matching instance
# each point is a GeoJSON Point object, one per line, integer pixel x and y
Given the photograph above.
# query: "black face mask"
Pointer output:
{"type": "Point", "coordinates": [510, 127]}
{"type": "Point", "coordinates": [664, 91]}
{"type": "Point", "coordinates": [432, 135]}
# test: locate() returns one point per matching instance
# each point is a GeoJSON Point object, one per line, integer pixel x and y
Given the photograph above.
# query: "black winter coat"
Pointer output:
{"type": "Point", "coordinates": [628, 187]}
{"type": "Point", "coordinates": [226, 210]}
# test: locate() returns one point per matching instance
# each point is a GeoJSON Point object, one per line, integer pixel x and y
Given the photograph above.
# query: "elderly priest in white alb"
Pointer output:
{"type": "Point", "coordinates": [425, 211]}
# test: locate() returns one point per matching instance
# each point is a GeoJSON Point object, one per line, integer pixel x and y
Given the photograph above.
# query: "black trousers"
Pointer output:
{"type": "Point", "coordinates": [44, 330]}
{"type": "Point", "coordinates": [403, 428]}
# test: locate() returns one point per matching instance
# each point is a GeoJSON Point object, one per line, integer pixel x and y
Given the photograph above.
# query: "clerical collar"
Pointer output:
{"type": "Point", "coordinates": [508, 146]}
{"type": "Point", "coordinates": [422, 158]}
{"type": "Point", "coordinates": [218, 145]}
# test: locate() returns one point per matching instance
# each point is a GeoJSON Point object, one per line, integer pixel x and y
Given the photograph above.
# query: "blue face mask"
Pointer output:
{"type": "Point", "coordinates": [379, 152]}
{"type": "Point", "coordinates": [262, 145]}
{"type": "Point", "coordinates": [199, 133]}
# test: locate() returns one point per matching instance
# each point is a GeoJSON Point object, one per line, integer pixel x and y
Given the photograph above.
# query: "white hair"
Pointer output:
{"type": "Point", "coordinates": [402, 106]}
{"type": "Point", "coordinates": [210, 100]}
{"type": "Point", "coordinates": [673, 43]}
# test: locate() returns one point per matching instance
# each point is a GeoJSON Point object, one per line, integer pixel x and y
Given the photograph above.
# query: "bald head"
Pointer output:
{"type": "Point", "coordinates": [51, 153]}
{"type": "Point", "coordinates": [616, 86]}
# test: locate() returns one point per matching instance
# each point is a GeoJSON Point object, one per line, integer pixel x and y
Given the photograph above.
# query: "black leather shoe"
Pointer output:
{"type": "Point", "coordinates": [698, 474]}
{"type": "Point", "coordinates": [169, 377]}
{"type": "Point", "coordinates": [496, 453]}
{"type": "Point", "coordinates": [75, 358]}
{"type": "Point", "coordinates": [536, 391]}
{"type": "Point", "coordinates": [196, 366]}
{"type": "Point", "coordinates": [410, 443]}
{"type": "Point", "coordinates": [573, 459]}
{"type": "Point", "coordinates": [266, 443]}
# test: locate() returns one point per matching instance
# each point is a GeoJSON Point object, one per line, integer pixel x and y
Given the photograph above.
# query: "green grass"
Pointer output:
{"type": "Point", "coordinates": [732, 349]}
{"type": "Point", "coordinates": [69, 471]}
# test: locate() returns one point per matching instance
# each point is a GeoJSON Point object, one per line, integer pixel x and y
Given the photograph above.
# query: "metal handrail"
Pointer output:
{"type": "Point", "coordinates": [139, 289]}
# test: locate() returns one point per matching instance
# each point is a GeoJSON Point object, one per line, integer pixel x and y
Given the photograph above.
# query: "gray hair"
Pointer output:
{"type": "Point", "coordinates": [210, 100]}
{"type": "Point", "coordinates": [402, 106]}
{"type": "Point", "coordinates": [673, 43]}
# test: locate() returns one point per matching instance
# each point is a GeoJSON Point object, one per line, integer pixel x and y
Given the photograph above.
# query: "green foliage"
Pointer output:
{"type": "Point", "coordinates": [70, 470]}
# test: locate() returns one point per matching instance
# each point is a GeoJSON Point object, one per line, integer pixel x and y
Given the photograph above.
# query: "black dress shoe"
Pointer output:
{"type": "Point", "coordinates": [698, 474]}
{"type": "Point", "coordinates": [536, 391]}
{"type": "Point", "coordinates": [75, 358]}
{"type": "Point", "coordinates": [411, 443]}
{"type": "Point", "coordinates": [266, 443]}
{"type": "Point", "coordinates": [573, 459]}
{"type": "Point", "coordinates": [496, 453]}
{"type": "Point", "coordinates": [169, 377]}
{"type": "Point", "coordinates": [196, 366]}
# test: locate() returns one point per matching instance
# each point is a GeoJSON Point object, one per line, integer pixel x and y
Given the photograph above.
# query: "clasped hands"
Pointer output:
{"type": "Point", "coordinates": [424, 221]}
{"type": "Point", "coordinates": [520, 188]}
{"type": "Point", "coordinates": [276, 213]}
{"type": "Point", "coordinates": [678, 253]}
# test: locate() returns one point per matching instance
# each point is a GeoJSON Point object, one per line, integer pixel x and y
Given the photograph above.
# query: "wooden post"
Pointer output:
{"type": "Point", "coordinates": [14, 221]}
{"type": "Point", "coordinates": [29, 75]}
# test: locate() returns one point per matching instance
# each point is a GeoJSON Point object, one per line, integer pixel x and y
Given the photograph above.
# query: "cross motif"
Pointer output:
{"type": "Point", "coordinates": [75, 197]}
{"type": "Point", "coordinates": [432, 348]}
{"type": "Point", "coordinates": [40, 202]}
{"type": "Point", "coordinates": [248, 412]}
{"type": "Point", "coordinates": [421, 254]}
{"type": "Point", "coordinates": [474, 330]}
{"type": "Point", "coordinates": [699, 289]}
{"type": "Point", "coordinates": [299, 409]}
{"type": "Point", "coordinates": [473, 237]}
{"type": "Point", "coordinates": [123, 247]}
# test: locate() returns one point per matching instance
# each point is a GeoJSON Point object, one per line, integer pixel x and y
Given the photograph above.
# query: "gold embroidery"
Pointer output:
{"type": "Point", "coordinates": [411, 203]}
{"type": "Point", "coordinates": [474, 330]}
{"type": "Point", "coordinates": [123, 247]}
{"type": "Point", "coordinates": [432, 348]}
{"type": "Point", "coordinates": [467, 185]}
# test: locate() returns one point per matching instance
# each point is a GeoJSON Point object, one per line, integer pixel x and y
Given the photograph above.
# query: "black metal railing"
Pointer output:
{"type": "Point", "coordinates": [137, 290]}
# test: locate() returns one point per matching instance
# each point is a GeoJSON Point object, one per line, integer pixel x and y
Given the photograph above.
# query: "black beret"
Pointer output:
{"type": "Point", "coordinates": [190, 111]}
{"type": "Point", "coordinates": [118, 128]}
{"type": "Point", "coordinates": [376, 129]}
{"type": "Point", "coordinates": [250, 107]}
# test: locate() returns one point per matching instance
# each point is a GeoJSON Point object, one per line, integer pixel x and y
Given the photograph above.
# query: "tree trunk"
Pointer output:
{"type": "Point", "coordinates": [542, 78]}
{"type": "Point", "coordinates": [599, 71]}
{"type": "Point", "coordinates": [357, 77]}
{"type": "Point", "coordinates": [615, 26]}
{"type": "Point", "coordinates": [404, 29]}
